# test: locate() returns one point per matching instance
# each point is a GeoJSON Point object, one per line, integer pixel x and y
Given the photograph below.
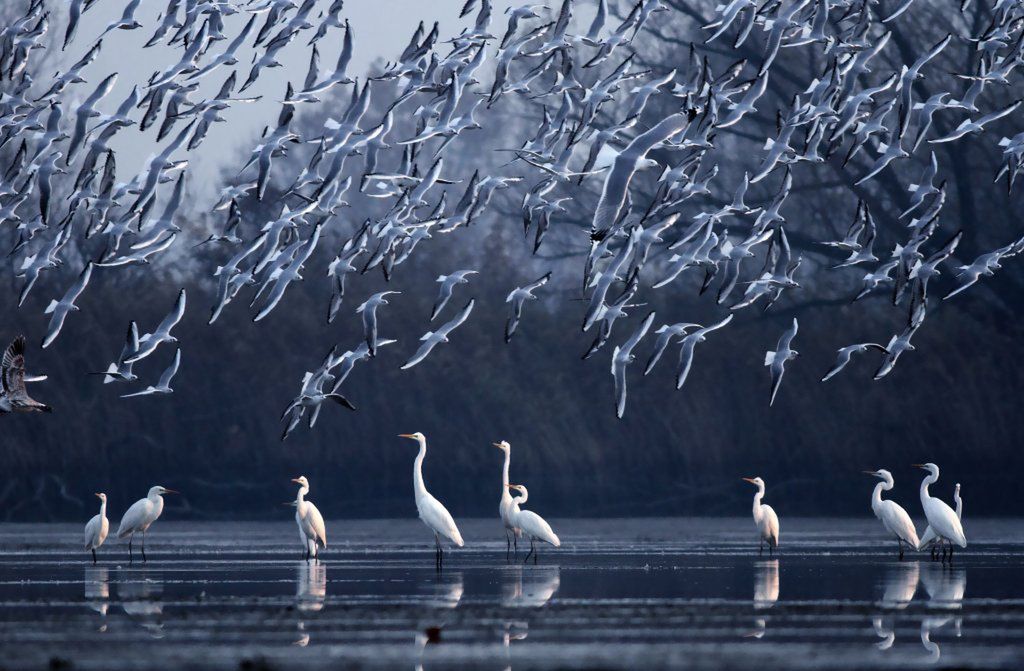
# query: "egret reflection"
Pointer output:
{"type": "Point", "coordinates": [900, 584]}
{"type": "Point", "coordinates": [885, 631]}
{"type": "Point", "coordinates": [529, 587]}
{"type": "Point", "coordinates": [446, 591]}
{"type": "Point", "coordinates": [97, 588]}
{"type": "Point", "coordinates": [310, 586]}
{"type": "Point", "coordinates": [945, 588]}
{"type": "Point", "coordinates": [766, 583]}
{"type": "Point", "coordinates": [140, 591]}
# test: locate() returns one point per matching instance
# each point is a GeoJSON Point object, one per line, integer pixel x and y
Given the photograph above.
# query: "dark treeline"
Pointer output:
{"type": "Point", "coordinates": [953, 401]}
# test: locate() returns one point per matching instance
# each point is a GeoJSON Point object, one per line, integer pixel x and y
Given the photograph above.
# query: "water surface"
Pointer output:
{"type": "Point", "coordinates": [624, 594]}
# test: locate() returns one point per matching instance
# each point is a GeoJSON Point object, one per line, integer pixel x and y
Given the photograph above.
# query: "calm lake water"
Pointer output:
{"type": "Point", "coordinates": [623, 594]}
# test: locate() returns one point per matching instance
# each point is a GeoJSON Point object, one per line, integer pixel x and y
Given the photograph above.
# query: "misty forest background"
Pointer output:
{"type": "Point", "coordinates": [954, 401]}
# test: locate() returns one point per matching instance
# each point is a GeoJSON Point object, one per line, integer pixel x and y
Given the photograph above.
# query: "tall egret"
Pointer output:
{"type": "Point", "coordinates": [765, 519]}
{"type": "Point", "coordinates": [532, 524]}
{"type": "Point", "coordinates": [507, 507]}
{"type": "Point", "coordinates": [312, 532]}
{"type": "Point", "coordinates": [941, 518]}
{"type": "Point", "coordinates": [97, 528]}
{"type": "Point", "coordinates": [431, 511]}
{"type": "Point", "coordinates": [928, 539]}
{"type": "Point", "coordinates": [894, 518]}
{"type": "Point", "coordinates": [141, 515]}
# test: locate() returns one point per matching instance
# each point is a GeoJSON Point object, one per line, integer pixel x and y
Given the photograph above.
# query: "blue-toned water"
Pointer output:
{"type": "Point", "coordinates": [630, 594]}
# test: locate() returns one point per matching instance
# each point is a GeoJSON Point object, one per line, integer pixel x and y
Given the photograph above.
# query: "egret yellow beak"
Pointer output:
{"type": "Point", "coordinates": [97, 495]}
{"type": "Point", "coordinates": [407, 435]}
{"type": "Point", "coordinates": [917, 465]}
{"type": "Point", "coordinates": [171, 491]}
{"type": "Point", "coordinates": [295, 480]}
{"type": "Point", "coordinates": [869, 472]}
{"type": "Point", "coordinates": [750, 480]}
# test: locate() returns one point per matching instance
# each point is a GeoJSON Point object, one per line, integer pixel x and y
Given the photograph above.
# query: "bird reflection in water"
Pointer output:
{"type": "Point", "coordinates": [529, 587]}
{"type": "Point", "coordinates": [513, 631]}
{"type": "Point", "coordinates": [140, 591]}
{"type": "Point", "coordinates": [946, 588]}
{"type": "Point", "coordinates": [766, 592]}
{"type": "Point", "coordinates": [446, 590]}
{"type": "Point", "coordinates": [310, 593]}
{"type": "Point", "coordinates": [898, 588]}
{"type": "Point", "coordinates": [97, 590]}
{"type": "Point", "coordinates": [310, 586]}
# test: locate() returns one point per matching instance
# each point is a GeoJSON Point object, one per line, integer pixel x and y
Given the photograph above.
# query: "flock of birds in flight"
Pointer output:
{"type": "Point", "coordinates": [945, 527]}
{"type": "Point", "coordinates": [593, 99]}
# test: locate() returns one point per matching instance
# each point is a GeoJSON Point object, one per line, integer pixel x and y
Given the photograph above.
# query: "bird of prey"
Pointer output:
{"type": "Point", "coordinates": [13, 396]}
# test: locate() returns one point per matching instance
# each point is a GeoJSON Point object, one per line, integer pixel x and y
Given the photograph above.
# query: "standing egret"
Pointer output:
{"type": "Point", "coordinates": [928, 539]}
{"type": "Point", "coordinates": [894, 518]}
{"type": "Point", "coordinates": [765, 519]}
{"type": "Point", "coordinates": [312, 532]}
{"type": "Point", "coordinates": [532, 524]}
{"type": "Point", "coordinates": [431, 511]}
{"type": "Point", "coordinates": [507, 507]}
{"type": "Point", "coordinates": [141, 515]}
{"type": "Point", "coordinates": [97, 528]}
{"type": "Point", "coordinates": [941, 519]}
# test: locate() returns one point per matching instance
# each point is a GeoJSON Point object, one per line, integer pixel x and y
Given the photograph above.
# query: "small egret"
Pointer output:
{"type": "Point", "coordinates": [532, 524]}
{"type": "Point", "coordinates": [507, 507]}
{"type": "Point", "coordinates": [941, 519]}
{"type": "Point", "coordinates": [312, 532]}
{"type": "Point", "coordinates": [141, 515]}
{"type": "Point", "coordinates": [97, 528]}
{"type": "Point", "coordinates": [431, 511]}
{"type": "Point", "coordinates": [928, 539]}
{"type": "Point", "coordinates": [765, 519]}
{"type": "Point", "coordinates": [894, 518]}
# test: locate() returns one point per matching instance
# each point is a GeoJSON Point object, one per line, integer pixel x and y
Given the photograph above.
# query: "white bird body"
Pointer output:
{"type": "Point", "coordinates": [928, 537]}
{"type": "Point", "coordinates": [141, 515]}
{"type": "Point", "coordinates": [97, 528]}
{"type": "Point", "coordinates": [765, 519]}
{"type": "Point", "coordinates": [894, 518]}
{"type": "Point", "coordinates": [312, 531]}
{"type": "Point", "coordinates": [507, 507]}
{"type": "Point", "coordinates": [943, 521]}
{"type": "Point", "coordinates": [532, 525]}
{"type": "Point", "coordinates": [431, 511]}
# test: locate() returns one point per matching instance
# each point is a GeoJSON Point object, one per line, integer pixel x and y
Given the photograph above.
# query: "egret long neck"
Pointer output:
{"type": "Point", "coordinates": [504, 476]}
{"type": "Point", "coordinates": [929, 479]}
{"type": "Point", "coordinates": [959, 506]}
{"type": "Point", "coordinates": [876, 496]}
{"type": "Point", "coordinates": [417, 469]}
{"type": "Point", "coordinates": [521, 499]}
{"type": "Point", "coordinates": [103, 509]}
{"type": "Point", "coordinates": [301, 496]}
{"type": "Point", "coordinates": [757, 502]}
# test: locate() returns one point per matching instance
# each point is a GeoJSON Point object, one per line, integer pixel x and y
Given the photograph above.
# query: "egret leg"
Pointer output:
{"type": "Point", "coordinates": [93, 555]}
{"type": "Point", "coordinates": [144, 546]}
{"type": "Point", "coordinates": [760, 548]}
{"type": "Point", "coordinates": [899, 544]}
{"type": "Point", "coordinates": [534, 548]}
{"type": "Point", "coordinates": [508, 545]}
{"type": "Point", "coordinates": [527, 557]}
{"type": "Point", "coordinates": [439, 553]}
{"type": "Point", "coordinates": [130, 539]}
{"type": "Point", "coordinates": [515, 543]}
{"type": "Point", "coordinates": [951, 553]}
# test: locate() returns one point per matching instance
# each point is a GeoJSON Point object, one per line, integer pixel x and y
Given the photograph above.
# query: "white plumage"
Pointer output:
{"type": "Point", "coordinates": [312, 531]}
{"type": "Point", "coordinates": [507, 507]}
{"type": "Point", "coordinates": [941, 518]}
{"type": "Point", "coordinates": [531, 524]}
{"type": "Point", "coordinates": [894, 518]}
{"type": "Point", "coordinates": [765, 519]}
{"type": "Point", "coordinates": [431, 511]}
{"type": "Point", "coordinates": [97, 528]}
{"type": "Point", "coordinates": [141, 515]}
{"type": "Point", "coordinates": [928, 538]}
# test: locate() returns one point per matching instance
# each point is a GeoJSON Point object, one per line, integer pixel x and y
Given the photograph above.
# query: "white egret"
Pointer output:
{"type": "Point", "coordinates": [532, 525]}
{"type": "Point", "coordinates": [141, 515]}
{"type": "Point", "coordinates": [894, 518]}
{"type": "Point", "coordinates": [431, 511]}
{"type": "Point", "coordinates": [507, 507]}
{"type": "Point", "coordinates": [941, 518]}
{"type": "Point", "coordinates": [928, 539]}
{"type": "Point", "coordinates": [312, 532]}
{"type": "Point", "coordinates": [765, 519]}
{"type": "Point", "coordinates": [97, 528]}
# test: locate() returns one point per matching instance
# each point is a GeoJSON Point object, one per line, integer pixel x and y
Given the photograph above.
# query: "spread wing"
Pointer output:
{"type": "Point", "coordinates": [13, 368]}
